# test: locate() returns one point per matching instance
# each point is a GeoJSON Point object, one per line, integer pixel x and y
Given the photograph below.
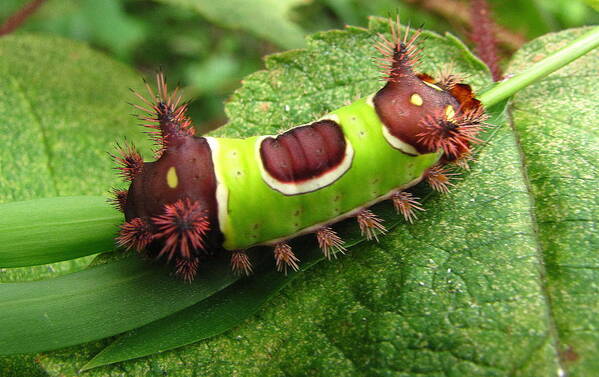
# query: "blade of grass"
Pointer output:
{"type": "Point", "coordinates": [98, 302]}
{"type": "Point", "coordinates": [208, 318]}
{"type": "Point", "coordinates": [55, 229]}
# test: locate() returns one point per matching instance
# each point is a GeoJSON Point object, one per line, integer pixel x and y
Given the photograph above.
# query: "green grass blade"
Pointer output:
{"type": "Point", "coordinates": [55, 229]}
{"type": "Point", "coordinates": [98, 302]}
{"type": "Point", "coordinates": [208, 318]}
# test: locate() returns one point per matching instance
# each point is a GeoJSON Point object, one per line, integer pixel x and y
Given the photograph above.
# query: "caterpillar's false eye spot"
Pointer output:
{"type": "Point", "coordinates": [449, 112]}
{"type": "Point", "coordinates": [416, 99]}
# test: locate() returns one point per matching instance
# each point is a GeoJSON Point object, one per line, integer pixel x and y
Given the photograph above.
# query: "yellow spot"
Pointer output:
{"type": "Point", "coordinates": [171, 177]}
{"type": "Point", "coordinates": [449, 112]}
{"type": "Point", "coordinates": [416, 99]}
{"type": "Point", "coordinates": [432, 85]}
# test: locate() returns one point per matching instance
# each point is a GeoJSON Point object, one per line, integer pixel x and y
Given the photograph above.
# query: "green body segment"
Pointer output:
{"type": "Point", "coordinates": [252, 213]}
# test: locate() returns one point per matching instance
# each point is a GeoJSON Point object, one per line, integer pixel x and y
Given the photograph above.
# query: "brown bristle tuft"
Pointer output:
{"type": "Point", "coordinates": [240, 263]}
{"type": "Point", "coordinates": [452, 134]}
{"type": "Point", "coordinates": [447, 79]}
{"type": "Point", "coordinates": [285, 257]}
{"type": "Point", "coordinates": [119, 199]}
{"type": "Point", "coordinates": [187, 269]}
{"type": "Point", "coordinates": [406, 204]}
{"type": "Point", "coordinates": [400, 54]}
{"type": "Point", "coordinates": [370, 225]}
{"type": "Point", "coordinates": [164, 114]}
{"type": "Point", "coordinates": [329, 242]}
{"type": "Point", "coordinates": [438, 178]}
{"type": "Point", "coordinates": [183, 227]}
{"type": "Point", "coordinates": [463, 161]}
{"type": "Point", "coordinates": [130, 161]}
{"type": "Point", "coordinates": [135, 234]}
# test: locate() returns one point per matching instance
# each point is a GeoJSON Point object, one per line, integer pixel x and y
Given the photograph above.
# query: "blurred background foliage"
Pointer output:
{"type": "Point", "coordinates": [208, 46]}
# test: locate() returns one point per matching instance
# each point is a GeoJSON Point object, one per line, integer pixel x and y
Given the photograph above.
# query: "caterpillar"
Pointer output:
{"type": "Point", "coordinates": [206, 195]}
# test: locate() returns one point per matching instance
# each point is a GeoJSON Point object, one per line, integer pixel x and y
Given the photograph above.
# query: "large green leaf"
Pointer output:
{"type": "Point", "coordinates": [58, 123]}
{"type": "Point", "coordinates": [461, 292]}
{"type": "Point", "coordinates": [268, 19]}
{"type": "Point", "coordinates": [558, 128]}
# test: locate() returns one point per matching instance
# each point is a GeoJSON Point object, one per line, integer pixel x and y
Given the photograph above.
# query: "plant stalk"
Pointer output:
{"type": "Point", "coordinates": [550, 64]}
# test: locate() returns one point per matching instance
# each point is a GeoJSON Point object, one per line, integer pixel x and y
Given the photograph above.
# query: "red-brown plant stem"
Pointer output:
{"type": "Point", "coordinates": [18, 18]}
{"type": "Point", "coordinates": [483, 36]}
{"type": "Point", "coordinates": [457, 14]}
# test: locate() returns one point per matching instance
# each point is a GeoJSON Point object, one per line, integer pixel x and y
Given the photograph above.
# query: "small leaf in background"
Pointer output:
{"type": "Point", "coordinates": [60, 122]}
{"type": "Point", "coordinates": [268, 19]}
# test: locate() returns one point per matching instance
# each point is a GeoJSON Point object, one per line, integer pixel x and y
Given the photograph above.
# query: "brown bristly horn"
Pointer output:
{"type": "Point", "coordinates": [187, 268]}
{"type": "Point", "coordinates": [164, 114]}
{"type": "Point", "coordinates": [463, 160]}
{"type": "Point", "coordinates": [448, 78]}
{"type": "Point", "coordinates": [182, 226]}
{"type": "Point", "coordinates": [399, 55]}
{"type": "Point", "coordinates": [438, 177]}
{"type": "Point", "coordinates": [119, 199]}
{"type": "Point", "coordinates": [454, 133]}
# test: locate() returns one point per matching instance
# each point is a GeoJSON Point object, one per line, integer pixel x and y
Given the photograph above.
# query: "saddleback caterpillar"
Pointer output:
{"type": "Point", "coordinates": [206, 195]}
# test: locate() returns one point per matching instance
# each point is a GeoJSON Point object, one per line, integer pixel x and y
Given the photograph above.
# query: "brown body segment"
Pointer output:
{"type": "Point", "coordinates": [185, 170]}
{"type": "Point", "coordinates": [304, 152]}
{"type": "Point", "coordinates": [402, 114]}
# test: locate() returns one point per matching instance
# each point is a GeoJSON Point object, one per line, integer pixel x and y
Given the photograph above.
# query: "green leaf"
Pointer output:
{"type": "Point", "coordinates": [557, 124]}
{"type": "Point", "coordinates": [98, 302]}
{"type": "Point", "coordinates": [268, 19]}
{"type": "Point", "coordinates": [59, 122]}
{"type": "Point", "coordinates": [49, 230]}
